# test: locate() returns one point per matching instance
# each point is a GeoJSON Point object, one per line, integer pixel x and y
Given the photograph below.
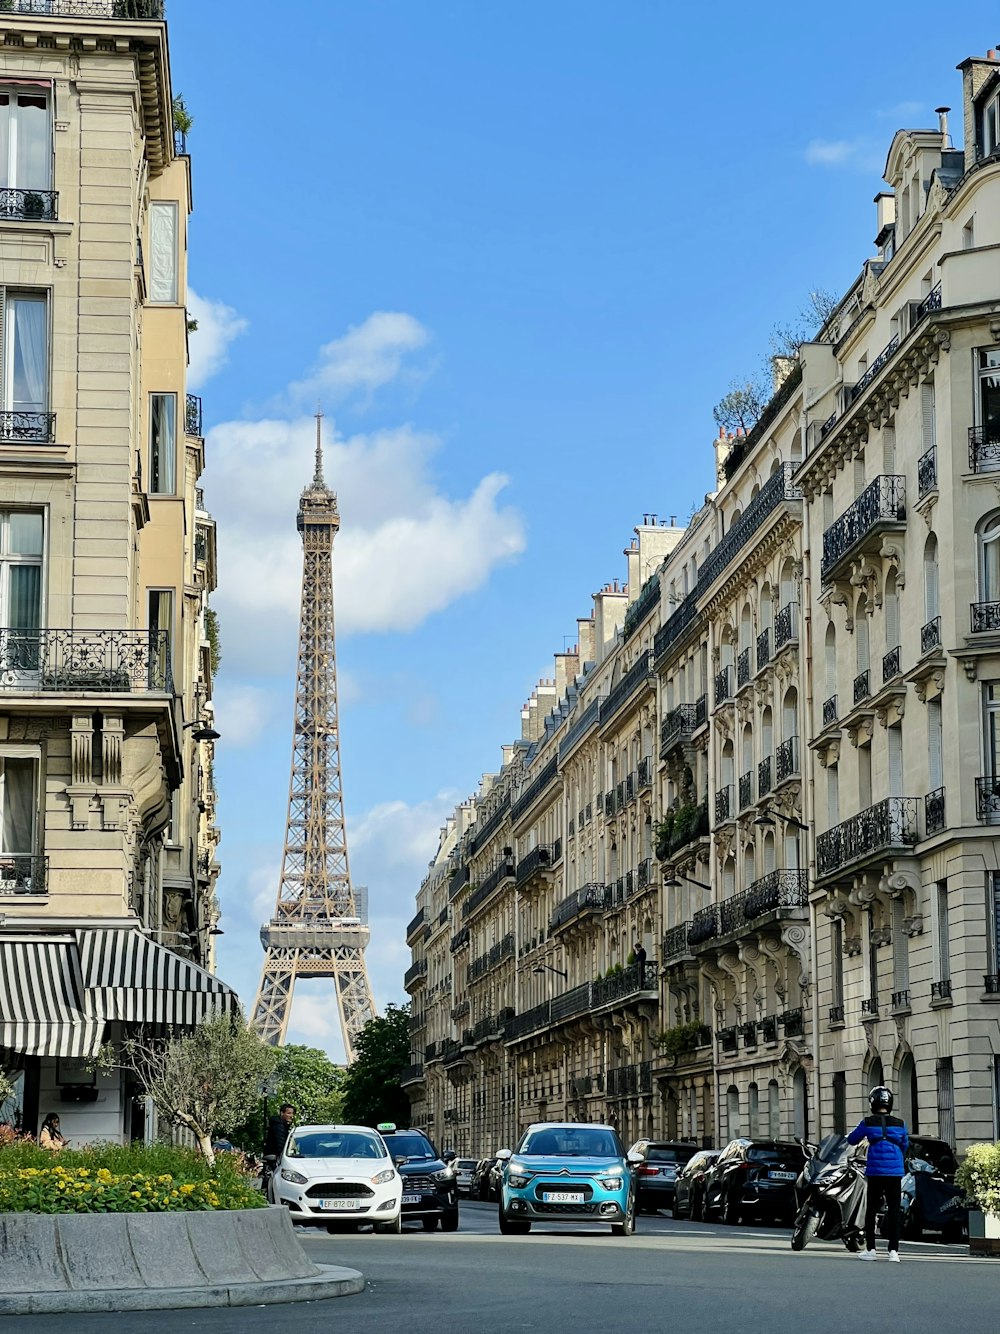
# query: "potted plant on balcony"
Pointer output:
{"type": "Point", "coordinates": [979, 1176]}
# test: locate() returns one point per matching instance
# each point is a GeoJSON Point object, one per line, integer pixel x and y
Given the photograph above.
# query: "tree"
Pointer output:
{"type": "Point", "coordinates": [740, 409]}
{"type": "Point", "coordinates": [207, 1080]}
{"type": "Point", "coordinates": [371, 1084]}
{"type": "Point", "coordinates": [309, 1080]}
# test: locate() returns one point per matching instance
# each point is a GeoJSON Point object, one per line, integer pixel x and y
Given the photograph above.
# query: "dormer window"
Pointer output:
{"type": "Point", "coordinates": [991, 124]}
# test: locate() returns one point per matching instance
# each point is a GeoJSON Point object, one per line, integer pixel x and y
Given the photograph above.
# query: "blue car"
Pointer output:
{"type": "Point", "coordinates": [568, 1172]}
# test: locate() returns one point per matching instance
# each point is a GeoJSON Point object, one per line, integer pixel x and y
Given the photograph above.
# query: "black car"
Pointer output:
{"type": "Point", "coordinates": [689, 1188]}
{"type": "Point", "coordinates": [754, 1178]}
{"type": "Point", "coordinates": [656, 1175]}
{"type": "Point", "coordinates": [430, 1187]}
{"type": "Point", "coordinates": [486, 1180]}
{"type": "Point", "coordinates": [930, 1201]}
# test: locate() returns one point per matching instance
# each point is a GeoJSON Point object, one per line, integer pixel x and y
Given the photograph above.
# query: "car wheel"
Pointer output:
{"type": "Point", "coordinates": [626, 1228]}
{"type": "Point", "coordinates": [697, 1211]}
{"type": "Point", "coordinates": [675, 1209]}
{"type": "Point", "coordinates": [395, 1227]}
{"type": "Point", "coordinates": [449, 1220]}
{"type": "Point", "coordinates": [430, 1223]}
{"type": "Point", "coordinates": [513, 1227]}
{"type": "Point", "coordinates": [731, 1210]}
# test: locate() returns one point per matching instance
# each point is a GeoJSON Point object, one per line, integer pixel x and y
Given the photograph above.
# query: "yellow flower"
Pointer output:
{"type": "Point", "coordinates": [186, 1190]}
{"type": "Point", "coordinates": [136, 1195]}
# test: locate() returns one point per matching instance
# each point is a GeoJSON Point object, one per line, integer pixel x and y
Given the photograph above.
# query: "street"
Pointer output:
{"type": "Point", "coordinates": [675, 1275]}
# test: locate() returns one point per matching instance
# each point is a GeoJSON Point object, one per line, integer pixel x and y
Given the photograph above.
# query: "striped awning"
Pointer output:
{"type": "Point", "coordinates": [43, 1010]}
{"type": "Point", "coordinates": [129, 977]}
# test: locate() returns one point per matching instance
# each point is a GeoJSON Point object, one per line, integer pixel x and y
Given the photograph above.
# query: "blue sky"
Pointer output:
{"type": "Point", "coordinates": [518, 250]}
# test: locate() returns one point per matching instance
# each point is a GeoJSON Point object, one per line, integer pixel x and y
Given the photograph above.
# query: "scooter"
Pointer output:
{"type": "Point", "coordinates": [830, 1193]}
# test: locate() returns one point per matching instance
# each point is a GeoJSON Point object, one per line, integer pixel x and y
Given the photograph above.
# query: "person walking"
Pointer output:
{"type": "Point", "coordinates": [50, 1136]}
{"type": "Point", "coordinates": [884, 1170]}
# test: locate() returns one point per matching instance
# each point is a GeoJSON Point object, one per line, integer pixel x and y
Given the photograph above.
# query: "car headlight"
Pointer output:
{"type": "Point", "coordinates": [517, 1181]}
{"type": "Point", "coordinates": [383, 1177]}
{"type": "Point", "coordinates": [611, 1183]}
{"type": "Point", "coordinates": [288, 1175]}
{"type": "Point", "coordinates": [446, 1175]}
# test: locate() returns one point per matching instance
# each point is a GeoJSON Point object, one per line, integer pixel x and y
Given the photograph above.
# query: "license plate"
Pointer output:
{"type": "Point", "coordinates": [411, 1199]}
{"type": "Point", "coordinates": [781, 1176]}
{"type": "Point", "coordinates": [340, 1204]}
{"type": "Point", "coordinates": [668, 1172]}
{"type": "Point", "coordinates": [562, 1197]}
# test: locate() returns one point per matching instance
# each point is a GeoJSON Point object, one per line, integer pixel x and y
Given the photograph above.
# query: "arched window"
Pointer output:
{"type": "Point", "coordinates": [773, 1109]}
{"type": "Point", "coordinates": [873, 1077]}
{"type": "Point", "coordinates": [729, 878]}
{"type": "Point", "coordinates": [732, 1112]}
{"type": "Point", "coordinates": [749, 866]}
{"type": "Point", "coordinates": [830, 660]}
{"type": "Point", "coordinates": [790, 713]}
{"type": "Point", "coordinates": [861, 630]}
{"type": "Point", "coordinates": [752, 1111]}
{"type": "Point", "coordinates": [988, 539]}
{"type": "Point", "coordinates": [891, 604]}
{"type": "Point", "coordinates": [909, 1107]}
{"type": "Point", "coordinates": [769, 865]}
{"type": "Point", "coordinates": [932, 595]}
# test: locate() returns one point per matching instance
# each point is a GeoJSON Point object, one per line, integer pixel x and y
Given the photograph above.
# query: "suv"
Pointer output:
{"type": "Point", "coordinates": [430, 1186]}
{"type": "Point", "coordinates": [753, 1177]}
{"type": "Point", "coordinates": [657, 1174]}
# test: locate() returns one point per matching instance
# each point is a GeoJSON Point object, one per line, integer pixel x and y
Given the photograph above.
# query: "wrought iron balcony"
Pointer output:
{"type": "Point", "coordinates": [415, 922]}
{"type": "Point", "coordinates": [28, 205]}
{"type": "Point", "coordinates": [763, 649]}
{"type": "Point", "coordinates": [869, 1008]}
{"type": "Point", "coordinates": [529, 795]}
{"type": "Point", "coordinates": [764, 777]}
{"type": "Point", "coordinates": [417, 972]}
{"type": "Point", "coordinates": [87, 9]}
{"type": "Point", "coordinates": [639, 674]}
{"type": "Point", "coordinates": [786, 626]}
{"type": "Point", "coordinates": [984, 448]}
{"type": "Point", "coordinates": [890, 825]}
{"type": "Point", "coordinates": [881, 505]}
{"type": "Point", "coordinates": [856, 390]}
{"type": "Point", "coordinates": [786, 760]}
{"type": "Point", "coordinates": [416, 1022]}
{"type": "Point", "coordinates": [828, 425]}
{"type": "Point", "coordinates": [700, 711]}
{"type": "Point", "coordinates": [862, 687]}
{"type": "Point", "coordinates": [630, 788]}
{"type": "Point", "coordinates": [460, 939]}
{"type": "Point", "coordinates": [22, 873]}
{"type": "Point", "coordinates": [675, 625]}
{"type": "Point", "coordinates": [768, 1028]}
{"type": "Point", "coordinates": [704, 925]}
{"type": "Point", "coordinates": [537, 861]}
{"type": "Point", "coordinates": [988, 800]}
{"type": "Point", "coordinates": [791, 1022]}
{"type": "Point", "coordinates": [675, 942]}
{"type": "Point", "coordinates": [774, 891]}
{"type": "Point", "coordinates": [723, 804]}
{"type": "Point", "coordinates": [748, 1032]}
{"type": "Point", "coordinates": [633, 982]}
{"type": "Point", "coordinates": [568, 1004]}
{"type": "Point", "coordinates": [891, 664]}
{"type": "Point", "coordinates": [991, 984]}
{"type": "Point", "coordinates": [930, 635]}
{"type": "Point", "coordinates": [411, 1074]}
{"type": "Point", "coordinates": [743, 669]}
{"type": "Point", "coordinates": [835, 1014]}
{"type": "Point", "coordinates": [777, 489]}
{"type": "Point", "coordinates": [901, 1000]}
{"type": "Point", "coordinates": [34, 428]}
{"type": "Point", "coordinates": [643, 874]}
{"type": "Point", "coordinates": [592, 898]}
{"type": "Point", "coordinates": [649, 597]}
{"type": "Point", "coordinates": [746, 790]}
{"type": "Point", "coordinates": [723, 686]}
{"type": "Point", "coordinates": [677, 726]}
{"type": "Point", "coordinates": [932, 301]}
{"type": "Point", "coordinates": [830, 711]}
{"type": "Point", "coordinates": [985, 616]}
{"type": "Point", "coordinates": [934, 817]}
{"type": "Point", "coordinates": [644, 773]}
{"type": "Point", "coordinates": [504, 870]}
{"type": "Point", "coordinates": [927, 472]}
{"type": "Point", "coordinates": [192, 415]}
{"type": "Point", "coordinates": [91, 661]}
{"type": "Point", "coordinates": [941, 990]}
{"type": "Point", "coordinates": [627, 1081]}
{"type": "Point", "coordinates": [531, 1021]}
{"type": "Point", "coordinates": [728, 1038]}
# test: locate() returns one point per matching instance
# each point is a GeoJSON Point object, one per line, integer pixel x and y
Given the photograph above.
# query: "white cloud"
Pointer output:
{"type": "Point", "coordinates": [367, 357]}
{"type": "Point", "coordinates": [218, 325]}
{"type": "Point", "coordinates": [242, 712]}
{"type": "Point", "coordinates": [858, 154]}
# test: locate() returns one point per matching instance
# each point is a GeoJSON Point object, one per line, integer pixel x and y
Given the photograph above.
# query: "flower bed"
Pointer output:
{"type": "Point", "coordinates": [111, 1178]}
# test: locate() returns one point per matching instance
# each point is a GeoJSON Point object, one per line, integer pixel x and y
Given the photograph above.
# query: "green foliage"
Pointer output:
{"type": "Point", "coordinates": [680, 1038]}
{"type": "Point", "coordinates": [371, 1084]}
{"type": "Point", "coordinates": [214, 641]}
{"type": "Point", "coordinates": [979, 1176]}
{"type": "Point", "coordinates": [309, 1080]}
{"type": "Point", "coordinates": [6, 1088]}
{"type": "Point", "coordinates": [115, 1178]}
{"type": "Point", "coordinates": [741, 406]}
{"type": "Point", "coordinates": [183, 120]}
{"type": "Point", "coordinates": [680, 826]}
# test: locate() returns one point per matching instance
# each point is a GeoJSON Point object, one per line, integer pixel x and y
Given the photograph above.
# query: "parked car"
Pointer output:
{"type": "Point", "coordinates": [430, 1190]}
{"type": "Point", "coordinates": [485, 1181]}
{"type": "Point", "coordinates": [689, 1188]}
{"type": "Point", "coordinates": [656, 1175]}
{"type": "Point", "coordinates": [754, 1178]}
{"type": "Point", "coordinates": [464, 1170]}
{"type": "Point", "coordinates": [568, 1172]}
{"type": "Point", "coordinates": [341, 1176]}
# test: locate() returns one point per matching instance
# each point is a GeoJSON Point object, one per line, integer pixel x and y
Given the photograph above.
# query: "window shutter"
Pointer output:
{"type": "Point", "coordinates": [934, 745]}
{"type": "Point", "coordinates": [838, 962]}
{"type": "Point", "coordinates": [927, 414]}
{"type": "Point", "coordinates": [946, 1099]}
{"type": "Point", "coordinates": [892, 620]}
{"type": "Point", "coordinates": [900, 949]}
{"type": "Point", "coordinates": [943, 943]}
{"type": "Point", "coordinates": [889, 450]}
{"type": "Point", "coordinates": [3, 349]}
{"type": "Point", "coordinates": [895, 761]}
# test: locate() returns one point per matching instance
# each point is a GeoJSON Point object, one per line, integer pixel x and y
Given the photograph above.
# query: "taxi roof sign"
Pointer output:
{"type": "Point", "coordinates": [386, 1125]}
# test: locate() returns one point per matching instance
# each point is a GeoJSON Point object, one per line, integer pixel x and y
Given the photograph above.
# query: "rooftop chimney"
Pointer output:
{"type": "Point", "coordinates": [942, 115]}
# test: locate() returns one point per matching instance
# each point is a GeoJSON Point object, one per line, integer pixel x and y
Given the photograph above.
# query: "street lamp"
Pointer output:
{"type": "Point", "coordinates": [766, 821]}
{"type": "Point", "coordinates": [203, 731]}
{"type": "Point", "coordinates": [541, 967]}
{"type": "Point", "coordinates": [675, 882]}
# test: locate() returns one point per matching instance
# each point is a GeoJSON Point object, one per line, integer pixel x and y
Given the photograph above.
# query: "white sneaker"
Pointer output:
{"type": "Point", "coordinates": [867, 1255]}
{"type": "Point", "coordinates": [894, 1255]}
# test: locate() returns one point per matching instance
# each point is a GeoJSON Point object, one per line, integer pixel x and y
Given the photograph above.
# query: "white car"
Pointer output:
{"type": "Point", "coordinates": [464, 1168]}
{"type": "Point", "coordinates": [334, 1175]}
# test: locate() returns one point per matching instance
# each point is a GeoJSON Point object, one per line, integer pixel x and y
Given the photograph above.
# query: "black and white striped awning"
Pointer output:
{"type": "Point", "coordinates": [130, 977]}
{"type": "Point", "coordinates": [43, 1008]}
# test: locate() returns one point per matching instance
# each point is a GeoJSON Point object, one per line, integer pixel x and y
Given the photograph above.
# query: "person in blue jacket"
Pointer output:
{"type": "Point", "coordinates": [884, 1170]}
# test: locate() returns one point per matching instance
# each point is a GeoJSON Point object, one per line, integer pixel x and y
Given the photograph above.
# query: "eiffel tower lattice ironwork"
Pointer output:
{"type": "Point", "coordinates": [320, 923]}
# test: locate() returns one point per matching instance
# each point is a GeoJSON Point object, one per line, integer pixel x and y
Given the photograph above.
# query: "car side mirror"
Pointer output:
{"type": "Point", "coordinates": [635, 1158]}
{"type": "Point", "coordinates": [400, 1161]}
{"type": "Point", "coordinates": [449, 1156]}
{"type": "Point", "coordinates": [503, 1155]}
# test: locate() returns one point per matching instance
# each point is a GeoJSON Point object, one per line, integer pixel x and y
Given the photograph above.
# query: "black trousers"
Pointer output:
{"type": "Point", "coordinates": [879, 1188]}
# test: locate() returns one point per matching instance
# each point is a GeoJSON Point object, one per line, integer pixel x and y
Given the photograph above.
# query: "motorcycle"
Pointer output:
{"type": "Point", "coordinates": [830, 1193]}
{"type": "Point", "coordinates": [266, 1173]}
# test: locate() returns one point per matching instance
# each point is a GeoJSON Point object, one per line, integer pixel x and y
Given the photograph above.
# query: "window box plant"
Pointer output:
{"type": "Point", "coordinates": [979, 1176]}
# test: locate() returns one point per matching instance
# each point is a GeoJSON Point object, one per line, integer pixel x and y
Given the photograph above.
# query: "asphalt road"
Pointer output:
{"type": "Point", "coordinates": [669, 1276]}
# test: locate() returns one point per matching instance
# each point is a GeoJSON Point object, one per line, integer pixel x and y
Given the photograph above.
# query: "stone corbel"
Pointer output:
{"type": "Point", "coordinates": [971, 667]}
{"type": "Point", "coordinates": [829, 754]}
{"type": "Point", "coordinates": [902, 884]}
{"type": "Point", "coordinates": [863, 893]}
{"type": "Point", "coordinates": [866, 579]}
{"type": "Point", "coordinates": [796, 937]}
{"type": "Point", "coordinates": [914, 925]}
{"type": "Point", "coordinates": [852, 946]}
{"type": "Point", "coordinates": [891, 711]}
{"type": "Point", "coordinates": [942, 343]}
{"type": "Point", "coordinates": [860, 734]}
{"type": "Point", "coordinates": [891, 553]}
{"type": "Point", "coordinates": [881, 935]}
{"type": "Point", "coordinates": [930, 687]}
{"type": "Point", "coordinates": [840, 907]}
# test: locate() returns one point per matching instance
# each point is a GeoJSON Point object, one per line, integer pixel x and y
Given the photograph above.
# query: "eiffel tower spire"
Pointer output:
{"type": "Point", "coordinates": [320, 923]}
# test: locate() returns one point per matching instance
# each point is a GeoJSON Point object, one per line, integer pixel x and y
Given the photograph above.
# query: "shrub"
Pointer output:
{"type": "Point", "coordinates": [681, 1038]}
{"type": "Point", "coordinates": [979, 1177]}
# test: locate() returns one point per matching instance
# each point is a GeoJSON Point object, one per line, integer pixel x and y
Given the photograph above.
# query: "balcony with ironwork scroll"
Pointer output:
{"type": "Point", "coordinates": [880, 508]}
{"type": "Point", "coordinates": [888, 827]}
{"type": "Point", "coordinates": [636, 982]}
{"type": "Point", "coordinates": [746, 790]}
{"type": "Point", "coordinates": [527, 798]}
{"type": "Point", "coordinates": [532, 1021]}
{"type": "Point", "coordinates": [869, 1008]}
{"type": "Point", "coordinates": [891, 664]}
{"type": "Point", "coordinates": [415, 975]}
{"type": "Point", "coordinates": [677, 726]}
{"type": "Point", "coordinates": [86, 9]}
{"type": "Point", "coordinates": [22, 873]}
{"type": "Point", "coordinates": [411, 1074]}
{"type": "Point", "coordinates": [680, 827]}
{"type": "Point", "coordinates": [984, 448]}
{"type": "Point", "coordinates": [786, 626]}
{"type": "Point", "coordinates": [628, 1081]}
{"type": "Point", "coordinates": [988, 800]}
{"type": "Point", "coordinates": [764, 772]}
{"type": "Point", "coordinates": [414, 924]}
{"type": "Point", "coordinates": [704, 926]}
{"type": "Point", "coordinates": [934, 813]}
{"type": "Point", "coordinates": [535, 866]}
{"type": "Point", "coordinates": [724, 804]}
{"type": "Point", "coordinates": [927, 473]}
{"type": "Point", "coordinates": [192, 415]}
{"type": "Point", "coordinates": [786, 761]}
{"type": "Point", "coordinates": [636, 613]}
{"type": "Point", "coordinates": [743, 669]}
{"type": "Point", "coordinates": [930, 636]}
{"type": "Point", "coordinates": [723, 686]}
{"type": "Point", "coordinates": [17, 205]}
{"type": "Point", "coordinates": [777, 894]}
{"type": "Point", "coordinates": [587, 901]}
{"type": "Point", "coordinates": [793, 1022]}
{"type": "Point", "coordinates": [883, 358]}
{"type": "Point", "coordinates": [862, 687]}
{"type": "Point", "coordinates": [763, 649]}
{"type": "Point", "coordinates": [985, 617]}
{"type": "Point", "coordinates": [644, 774]}
{"type": "Point", "coordinates": [728, 1039]}
{"type": "Point", "coordinates": [638, 675]}
{"type": "Point", "coordinates": [502, 872]}
{"type": "Point", "coordinates": [830, 711]}
{"type": "Point", "coordinates": [675, 626]}
{"type": "Point", "coordinates": [778, 489]}
{"type": "Point", "coordinates": [85, 661]}
{"type": "Point", "coordinates": [586, 722]}
{"type": "Point", "coordinates": [675, 943]}
{"type": "Point", "coordinates": [27, 428]}
{"type": "Point", "coordinates": [460, 939]}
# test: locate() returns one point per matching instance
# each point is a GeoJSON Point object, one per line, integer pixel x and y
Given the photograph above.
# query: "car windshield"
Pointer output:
{"type": "Point", "coordinates": [334, 1144]}
{"type": "Point", "coordinates": [464, 1164]}
{"type": "Point", "coordinates": [935, 1152]}
{"type": "Point", "coordinates": [409, 1146]}
{"type": "Point", "coordinates": [668, 1153]}
{"type": "Point", "coordinates": [571, 1142]}
{"type": "Point", "coordinates": [770, 1153]}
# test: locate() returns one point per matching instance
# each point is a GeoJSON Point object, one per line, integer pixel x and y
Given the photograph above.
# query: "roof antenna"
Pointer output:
{"type": "Point", "coordinates": [318, 479]}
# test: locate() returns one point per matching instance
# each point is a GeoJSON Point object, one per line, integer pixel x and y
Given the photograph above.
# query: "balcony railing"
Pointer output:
{"type": "Point", "coordinates": [934, 818]}
{"type": "Point", "coordinates": [700, 711]}
{"type": "Point", "coordinates": [644, 773]}
{"type": "Point", "coordinates": [930, 635]}
{"type": "Point", "coordinates": [93, 661]}
{"type": "Point", "coordinates": [764, 777]}
{"type": "Point", "coordinates": [675, 625]}
{"type": "Point", "coordinates": [941, 990]}
{"type": "Point", "coordinates": [500, 873]}
{"type": "Point", "coordinates": [830, 711]}
{"type": "Point", "coordinates": [891, 664]}
{"type": "Point", "coordinates": [991, 984]}
{"type": "Point", "coordinates": [835, 1014]}
{"type": "Point", "coordinates": [34, 428]}
{"type": "Point", "coordinates": [192, 415]}
{"type": "Point", "coordinates": [984, 448]}
{"type": "Point", "coordinates": [985, 616]}
{"type": "Point", "coordinates": [704, 925]}
{"type": "Point", "coordinates": [786, 760]}
{"type": "Point", "coordinates": [22, 873]}
{"type": "Point", "coordinates": [539, 859]}
{"type": "Point", "coordinates": [786, 626]}
{"type": "Point", "coordinates": [723, 686]}
{"type": "Point", "coordinates": [643, 874]}
{"type": "Point", "coordinates": [633, 980]}
{"type": "Point", "coordinates": [763, 649]}
{"type": "Point", "coordinates": [415, 972]}
{"type": "Point", "coordinates": [890, 824]}
{"type": "Point", "coordinates": [881, 503]}
{"type": "Point", "coordinates": [748, 1032]}
{"type": "Point", "coordinates": [416, 922]}
{"type": "Point", "coordinates": [28, 205]}
{"type": "Point", "coordinates": [792, 1022]}
{"type": "Point", "coordinates": [460, 939]}
{"type": "Point", "coordinates": [746, 790]}
{"type": "Point", "coordinates": [728, 1038]}
{"type": "Point", "coordinates": [743, 669]}
{"type": "Point", "coordinates": [585, 723]}
{"type": "Point", "coordinates": [775, 490]}
{"type": "Point", "coordinates": [927, 472]}
{"type": "Point", "coordinates": [649, 596]}
{"type": "Point", "coordinates": [411, 1074]}
{"type": "Point", "coordinates": [862, 687]}
{"type": "Point", "coordinates": [932, 301]}
{"type": "Point", "coordinates": [869, 1008]}
{"type": "Point", "coordinates": [777, 890]}
{"type": "Point", "coordinates": [89, 9]}
{"type": "Point", "coordinates": [626, 1081]}
{"type": "Point", "coordinates": [768, 1027]}
{"type": "Point", "coordinates": [988, 800]}
{"type": "Point", "coordinates": [675, 942]}
{"type": "Point", "coordinates": [568, 1004]}
{"type": "Point", "coordinates": [534, 790]}
{"type": "Point", "coordinates": [883, 357]}
{"type": "Point", "coordinates": [723, 804]}
{"type": "Point", "coordinates": [531, 1021]}
{"type": "Point", "coordinates": [678, 724]}
{"type": "Point", "coordinates": [638, 674]}
{"type": "Point", "coordinates": [901, 999]}
{"type": "Point", "coordinates": [586, 899]}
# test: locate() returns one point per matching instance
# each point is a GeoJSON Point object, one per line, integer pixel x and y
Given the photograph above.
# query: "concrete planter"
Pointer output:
{"type": "Point", "coordinates": [122, 1262]}
{"type": "Point", "coordinates": [984, 1233]}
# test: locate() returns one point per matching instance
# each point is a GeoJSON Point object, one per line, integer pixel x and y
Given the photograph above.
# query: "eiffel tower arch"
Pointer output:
{"type": "Point", "coordinates": [320, 922]}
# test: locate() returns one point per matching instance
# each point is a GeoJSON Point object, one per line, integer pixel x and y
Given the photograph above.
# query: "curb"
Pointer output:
{"type": "Point", "coordinates": [333, 1281]}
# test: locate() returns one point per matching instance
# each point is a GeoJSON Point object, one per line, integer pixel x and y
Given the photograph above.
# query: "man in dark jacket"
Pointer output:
{"type": "Point", "coordinates": [278, 1129]}
{"type": "Point", "coordinates": [884, 1170]}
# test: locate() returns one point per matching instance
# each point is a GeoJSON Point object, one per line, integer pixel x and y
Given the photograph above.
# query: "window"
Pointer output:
{"type": "Point", "coordinates": [969, 234]}
{"type": "Point", "coordinates": [993, 919]}
{"type": "Point", "coordinates": [927, 416]}
{"type": "Point", "coordinates": [942, 942]}
{"type": "Point", "coordinates": [24, 347]}
{"type": "Point", "coordinates": [946, 1099]}
{"type": "Point", "coordinates": [935, 745]}
{"type": "Point", "coordinates": [773, 1109]}
{"type": "Point", "coordinates": [840, 1103]}
{"type": "Point", "coordinates": [21, 539]}
{"type": "Point", "coordinates": [900, 953]}
{"type": "Point", "coordinates": [163, 252]}
{"type": "Point", "coordinates": [25, 142]}
{"type": "Point", "coordinates": [161, 617]}
{"type": "Point", "coordinates": [989, 558]}
{"type": "Point", "coordinates": [162, 444]}
{"type": "Point", "coordinates": [895, 738]}
{"type": "Point", "coordinates": [932, 600]}
{"type": "Point", "coordinates": [990, 126]}
{"type": "Point", "coordinates": [988, 396]}
{"type": "Point", "coordinates": [18, 803]}
{"type": "Point", "coordinates": [864, 777]}
{"type": "Point", "coordinates": [889, 450]}
{"type": "Point", "coordinates": [837, 962]}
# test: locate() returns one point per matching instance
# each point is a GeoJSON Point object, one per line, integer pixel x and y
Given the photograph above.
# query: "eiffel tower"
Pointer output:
{"type": "Point", "coordinates": [320, 923]}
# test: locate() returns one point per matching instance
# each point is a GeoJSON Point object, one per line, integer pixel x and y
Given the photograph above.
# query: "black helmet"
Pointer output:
{"type": "Point", "coordinates": [880, 1099]}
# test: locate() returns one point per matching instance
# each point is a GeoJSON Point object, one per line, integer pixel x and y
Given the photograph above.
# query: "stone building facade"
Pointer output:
{"type": "Point", "coordinates": [107, 561]}
{"type": "Point", "coordinates": [773, 757]}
